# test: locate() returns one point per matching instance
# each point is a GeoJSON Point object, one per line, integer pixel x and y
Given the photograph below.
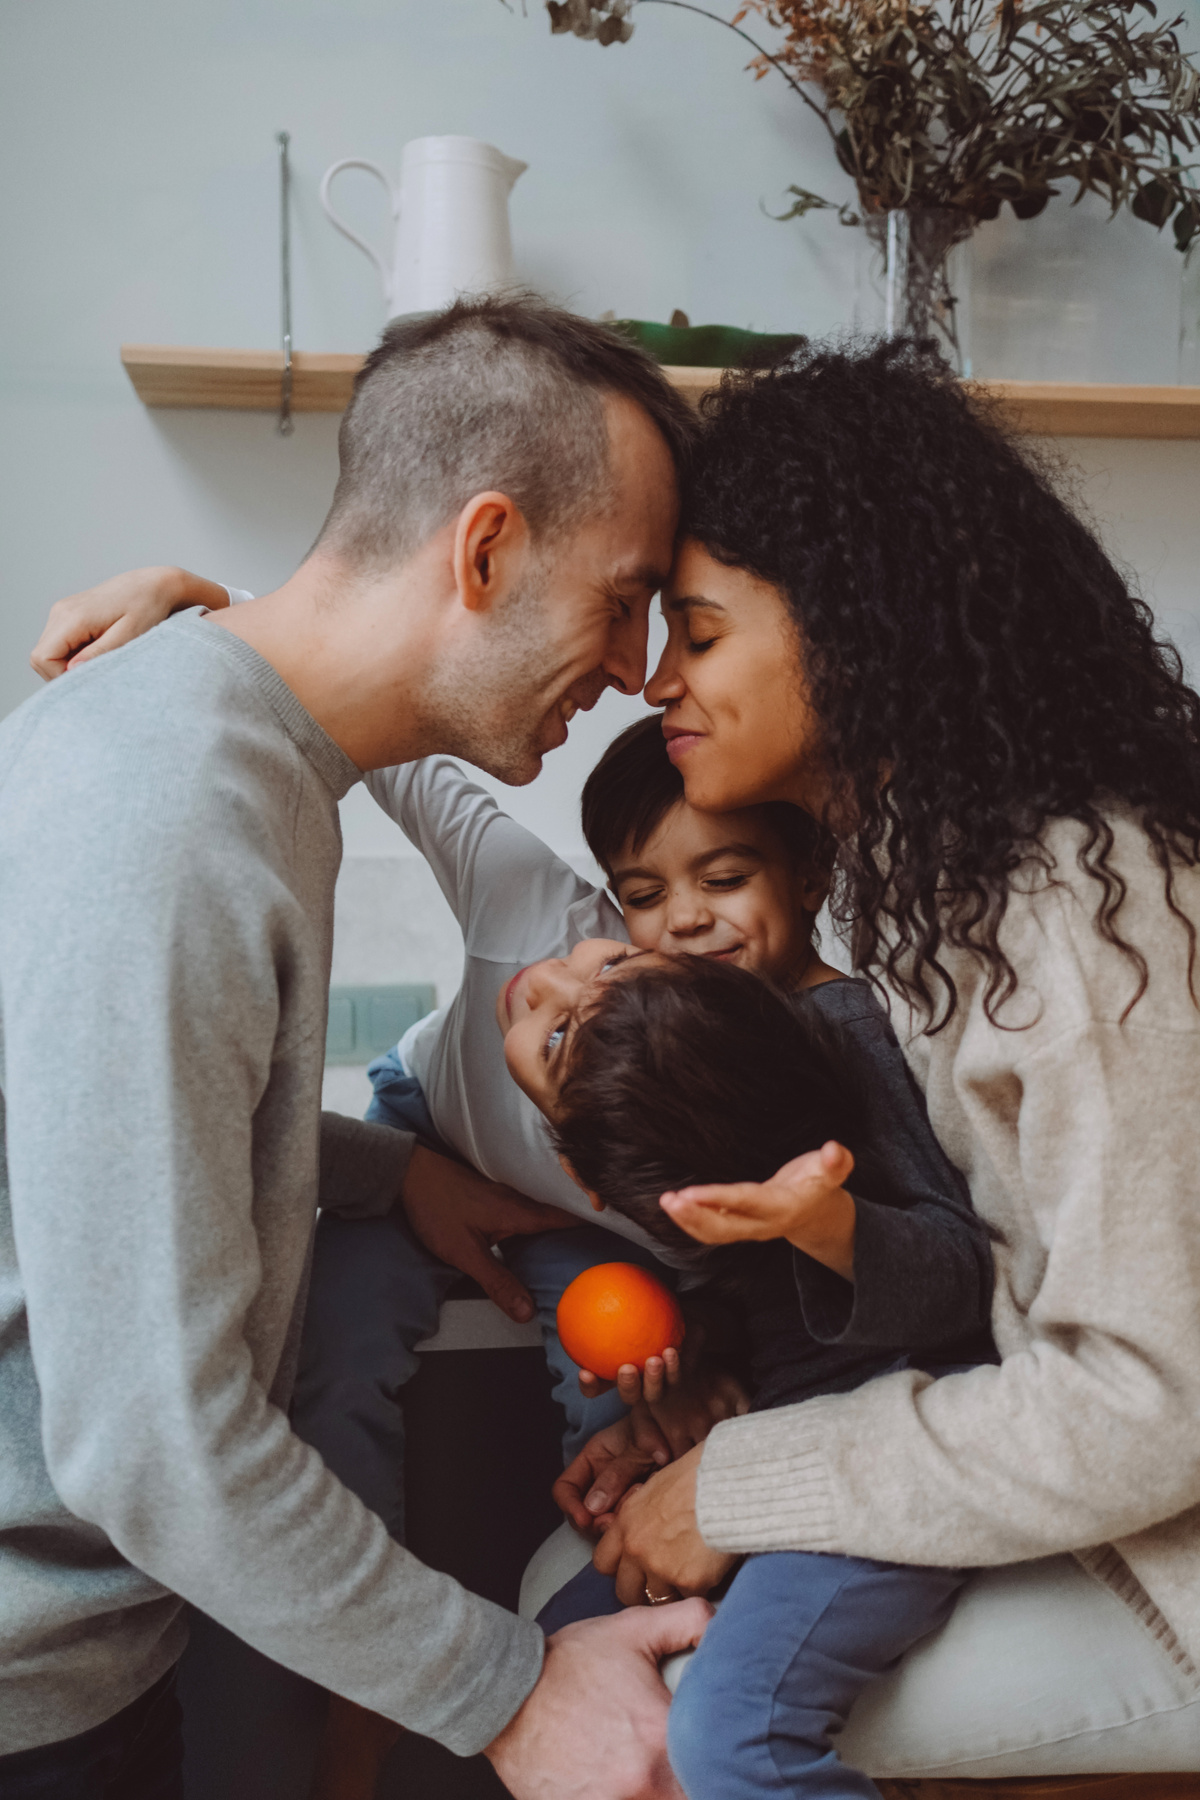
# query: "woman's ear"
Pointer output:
{"type": "Point", "coordinates": [595, 1199]}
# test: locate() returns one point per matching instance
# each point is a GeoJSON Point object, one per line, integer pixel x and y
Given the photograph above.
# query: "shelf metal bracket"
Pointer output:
{"type": "Point", "coordinates": [286, 426]}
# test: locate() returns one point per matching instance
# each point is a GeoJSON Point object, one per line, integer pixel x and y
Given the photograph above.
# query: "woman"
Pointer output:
{"type": "Point", "coordinates": [883, 613]}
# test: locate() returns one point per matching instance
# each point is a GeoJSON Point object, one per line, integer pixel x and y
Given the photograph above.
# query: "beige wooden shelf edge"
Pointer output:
{"type": "Point", "coordinates": [167, 375]}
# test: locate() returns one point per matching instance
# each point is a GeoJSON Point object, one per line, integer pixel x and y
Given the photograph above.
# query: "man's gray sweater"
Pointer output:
{"type": "Point", "coordinates": [169, 843]}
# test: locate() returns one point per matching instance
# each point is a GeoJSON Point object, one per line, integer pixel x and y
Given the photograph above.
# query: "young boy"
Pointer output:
{"type": "Point", "coordinates": [717, 1077]}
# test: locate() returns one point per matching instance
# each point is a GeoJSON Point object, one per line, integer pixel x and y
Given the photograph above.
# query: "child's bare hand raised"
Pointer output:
{"type": "Point", "coordinates": [806, 1202]}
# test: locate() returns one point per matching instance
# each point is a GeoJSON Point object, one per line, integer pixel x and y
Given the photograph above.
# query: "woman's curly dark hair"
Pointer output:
{"type": "Point", "coordinates": [976, 663]}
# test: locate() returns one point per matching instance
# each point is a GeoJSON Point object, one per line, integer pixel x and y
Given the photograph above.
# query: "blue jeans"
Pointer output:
{"type": "Point", "coordinates": [376, 1292]}
{"type": "Point", "coordinates": [794, 1642]}
{"type": "Point", "coordinates": [136, 1755]}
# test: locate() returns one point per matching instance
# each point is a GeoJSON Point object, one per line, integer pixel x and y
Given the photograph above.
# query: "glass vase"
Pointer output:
{"type": "Point", "coordinates": [920, 278]}
{"type": "Point", "coordinates": [1189, 317]}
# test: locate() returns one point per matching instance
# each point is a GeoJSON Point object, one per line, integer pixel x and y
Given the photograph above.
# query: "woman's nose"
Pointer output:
{"type": "Point", "coordinates": [666, 683]}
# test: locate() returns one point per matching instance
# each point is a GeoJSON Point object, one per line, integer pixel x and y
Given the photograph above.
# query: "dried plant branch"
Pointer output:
{"type": "Point", "coordinates": [974, 104]}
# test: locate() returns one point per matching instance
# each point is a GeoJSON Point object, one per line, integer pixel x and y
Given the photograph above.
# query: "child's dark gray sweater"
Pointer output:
{"type": "Point", "coordinates": [922, 1285]}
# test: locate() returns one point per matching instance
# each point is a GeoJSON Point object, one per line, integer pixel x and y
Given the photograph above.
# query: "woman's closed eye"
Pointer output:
{"type": "Point", "coordinates": [725, 884]}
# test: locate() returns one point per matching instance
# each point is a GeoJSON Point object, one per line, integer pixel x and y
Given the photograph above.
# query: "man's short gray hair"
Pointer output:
{"type": "Point", "coordinates": [502, 394]}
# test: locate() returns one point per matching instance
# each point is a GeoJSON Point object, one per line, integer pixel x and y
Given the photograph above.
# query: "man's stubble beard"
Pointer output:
{"type": "Point", "coordinates": [489, 706]}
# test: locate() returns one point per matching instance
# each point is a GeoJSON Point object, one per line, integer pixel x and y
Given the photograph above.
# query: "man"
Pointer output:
{"type": "Point", "coordinates": [168, 849]}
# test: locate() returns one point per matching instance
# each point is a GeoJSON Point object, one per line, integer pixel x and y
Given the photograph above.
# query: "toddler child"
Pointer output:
{"type": "Point", "coordinates": [718, 1077]}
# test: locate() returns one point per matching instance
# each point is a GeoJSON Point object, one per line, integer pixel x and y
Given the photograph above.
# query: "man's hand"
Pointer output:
{"type": "Point", "coordinates": [87, 624]}
{"type": "Point", "coordinates": [595, 1726]}
{"type": "Point", "coordinates": [459, 1214]}
{"type": "Point", "coordinates": [625, 1452]}
{"type": "Point", "coordinates": [654, 1545]}
{"type": "Point", "coordinates": [805, 1202]}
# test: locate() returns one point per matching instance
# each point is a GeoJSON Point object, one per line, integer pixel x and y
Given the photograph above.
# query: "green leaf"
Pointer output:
{"type": "Point", "coordinates": [1031, 204]}
{"type": "Point", "coordinates": [844, 150]}
{"type": "Point", "coordinates": [1153, 202]}
{"type": "Point", "coordinates": [1187, 224]}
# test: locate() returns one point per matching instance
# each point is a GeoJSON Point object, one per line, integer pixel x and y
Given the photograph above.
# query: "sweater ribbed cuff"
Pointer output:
{"type": "Point", "coordinates": [487, 1702]}
{"type": "Point", "coordinates": [765, 1483]}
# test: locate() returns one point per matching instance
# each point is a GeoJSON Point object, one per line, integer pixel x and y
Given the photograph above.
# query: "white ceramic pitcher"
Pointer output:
{"type": "Point", "coordinates": [450, 210]}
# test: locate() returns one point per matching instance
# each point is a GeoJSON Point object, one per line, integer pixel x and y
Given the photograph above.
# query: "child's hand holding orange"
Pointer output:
{"type": "Point", "coordinates": [614, 1314]}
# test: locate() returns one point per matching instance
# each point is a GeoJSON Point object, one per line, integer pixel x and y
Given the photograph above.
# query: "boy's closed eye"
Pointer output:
{"type": "Point", "coordinates": [641, 897]}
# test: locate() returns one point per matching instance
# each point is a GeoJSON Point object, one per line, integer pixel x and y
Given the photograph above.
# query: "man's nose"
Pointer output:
{"type": "Point", "coordinates": [625, 663]}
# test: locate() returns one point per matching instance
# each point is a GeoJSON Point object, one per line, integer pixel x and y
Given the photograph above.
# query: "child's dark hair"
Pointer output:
{"type": "Point", "coordinates": [696, 1071]}
{"type": "Point", "coordinates": [635, 784]}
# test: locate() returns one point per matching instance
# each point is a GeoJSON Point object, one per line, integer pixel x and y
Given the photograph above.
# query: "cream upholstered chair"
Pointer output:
{"type": "Point", "coordinates": [874, 1738]}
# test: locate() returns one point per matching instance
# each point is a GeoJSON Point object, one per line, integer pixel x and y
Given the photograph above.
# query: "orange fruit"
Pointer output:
{"type": "Point", "coordinates": [616, 1313]}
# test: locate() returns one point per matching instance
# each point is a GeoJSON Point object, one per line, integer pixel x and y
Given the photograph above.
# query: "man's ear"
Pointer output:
{"type": "Point", "coordinates": [595, 1199]}
{"type": "Point", "coordinates": [491, 546]}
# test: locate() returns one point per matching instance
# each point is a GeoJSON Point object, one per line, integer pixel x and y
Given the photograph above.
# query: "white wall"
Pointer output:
{"type": "Point", "coordinates": [139, 203]}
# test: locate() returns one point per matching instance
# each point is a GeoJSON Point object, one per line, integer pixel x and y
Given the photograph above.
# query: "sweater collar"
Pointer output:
{"type": "Point", "coordinates": [329, 759]}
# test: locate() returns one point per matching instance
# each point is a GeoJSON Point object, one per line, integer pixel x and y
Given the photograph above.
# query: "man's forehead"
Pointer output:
{"type": "Point", "coordinates": [641, 574]}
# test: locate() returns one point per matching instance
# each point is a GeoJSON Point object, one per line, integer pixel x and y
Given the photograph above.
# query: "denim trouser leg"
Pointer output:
{"type": "Point", "coordinates": [548, 1263]}
{"type": "Point", "coordinates": [375, 1292]}
{"type": "Point", "coordinates": [794, 1643]}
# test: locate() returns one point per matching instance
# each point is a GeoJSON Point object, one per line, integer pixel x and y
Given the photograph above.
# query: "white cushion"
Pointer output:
{"type": "Point", "coordinates": [1039, 1671]}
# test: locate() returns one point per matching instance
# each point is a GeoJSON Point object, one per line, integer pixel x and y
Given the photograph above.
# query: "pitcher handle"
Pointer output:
{"type": "Point", "coordinates": [357, 162]}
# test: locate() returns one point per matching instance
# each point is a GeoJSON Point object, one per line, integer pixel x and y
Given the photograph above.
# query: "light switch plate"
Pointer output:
{"type": "Point", "coordinates": [365, 1021]}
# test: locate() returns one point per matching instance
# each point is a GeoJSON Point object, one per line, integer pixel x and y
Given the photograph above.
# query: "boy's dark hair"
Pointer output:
{"type": "Point", "coordinates": [635, 784]}
{"type": "Point", "coordinates": [695, 1071]}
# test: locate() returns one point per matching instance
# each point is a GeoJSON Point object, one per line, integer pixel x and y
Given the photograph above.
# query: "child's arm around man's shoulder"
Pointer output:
{"type": "Point", "coordinates": [503, 884]}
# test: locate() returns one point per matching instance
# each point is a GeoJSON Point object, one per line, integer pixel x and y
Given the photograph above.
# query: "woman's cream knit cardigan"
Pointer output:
{"type": "Point", "coordinates": [1080, 1137]}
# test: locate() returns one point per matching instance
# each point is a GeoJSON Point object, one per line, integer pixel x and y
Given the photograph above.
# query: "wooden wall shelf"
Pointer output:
{"type": "Point", "coordinates": [248, 380]}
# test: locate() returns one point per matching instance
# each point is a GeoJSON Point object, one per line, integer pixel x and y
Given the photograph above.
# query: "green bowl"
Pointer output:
{"type": "Point", "coordinates": [708, 346]}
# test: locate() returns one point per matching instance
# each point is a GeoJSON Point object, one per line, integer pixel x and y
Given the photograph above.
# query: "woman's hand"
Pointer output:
{"type": "Point", "coordinates": [87, 624]}
{"type": "Point", "coordinates": [591, 1486]}
{"type": "Point", "coordinates": [654, 1547]}
{"type": "Point", "coordinates": [805, 1202]}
